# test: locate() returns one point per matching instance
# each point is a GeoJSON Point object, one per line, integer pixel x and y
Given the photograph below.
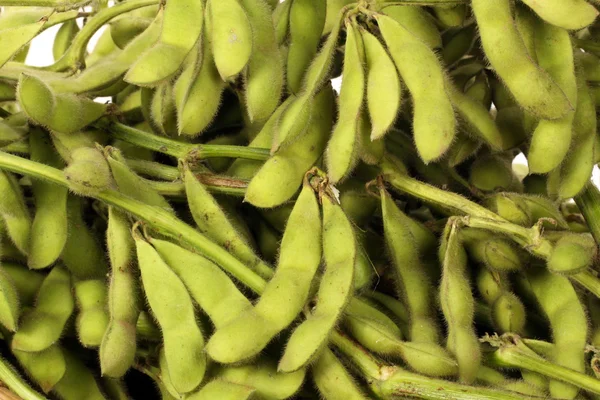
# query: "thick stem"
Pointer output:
{"type": "Point", "coordinates": [12, 380]}
{"type": "Point", "coordinates": [453, 203]}
{"type": "Point", "coordinates": [159, 219]}
{"type": "Point", "coordinates": [588, 202]}
{"type": "Point", "coordinates": [588, 281]}
{"type": "Point", "coordinates": [368, 365]}
{"type": "Point", "coordinates": [178, 149]}
{"type": "Point", "coordinates": [514, 353]}
{"type": "Point", "coordinates": [59, 4]}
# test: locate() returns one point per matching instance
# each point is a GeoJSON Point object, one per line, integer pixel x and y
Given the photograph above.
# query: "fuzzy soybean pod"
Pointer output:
{"type": "Point", "coordinates": [286, 293]}
{"type": "Point", "coordinates": [78, 382]}
{"type": "Point", "coordinates": [567, 180]}
{"type": "Point", "coordinates": [493, 251]}
{"type": "Point", "coordinates": [181, 28]}
{"type": "Point", "coordinates": [410, 275]}
{"type": "Point", "coordinates": [130, 184]}
{"type": "Point", "coordinates": [46, 367]}
{"type": "Point", "coordinates": [384, 93]}
{"type": "Point", "coordinates": [117, 350]}
{"type": "Point", "coordinates": [572, 254]}
{"type": "Point", "coordinates": [173, 309]}
{"type": "Point", "coordinates": [26, 281]}
{"type": "Point", "coordinates": [306, 22]}
{"type": "Point", "coordinates": [533, 88]}
{"type": "Point", "coordinates": [342, 148]}
{"type": "Point", "coordinates": [264, 75]}
{"type": "Point", "coordinates": [264, 376]}
{"type": "Point", "coordinates": [92, 316]}
{"type": "Point", "coordinates": [434, 123]}
{"type": "Point", "coordinates": [198, 90]}
{"type": "Point", "coordinates": [43, 325]}
{"type": "Point", "coordinates": [14, 39]}
{"type": "Point", "coordinates": [558, 299]}
{"type": "Point", "coordinates": [83, 257]}
{"type": "Point", "coordinates": [223, 390]}
{"type": "Point", "coordinates": [222, 301]}
{"type": "Point", "coordinates": [62, 112]}
{"type": "Point", "coordinates": [418, 21]}
{"type": "Point", "coordinates": [551, 138]}
{"type": "Point", "coordinates": [335, 289]}
{"type": "Point", "coordinates": [511, 207]}
{"type": "Point", "coordinates": [281, 175]}
{"type": "Point", "coordinates": [88, 172]}
{"type": "Point", "coordinates": [49, 228]}
{"type": "Point", "coordinates": [213, 222]}
{"type": "Point", "coordinates": [333, 380]}
{"type": "Point", "coordinates": [14, 212]}
{"type": "Point", "coordinates": [458, 305]}
{"type": "Point", "coordinates": [231, 36]}
{"type": "Point", "coordinates": [63, 38]}
{"type": "Point", "coordinates": [10, 302]}
{"type": "Point", "coordinates": [567, 14]}
{"type": "Point", "coordinates": [542, 207]}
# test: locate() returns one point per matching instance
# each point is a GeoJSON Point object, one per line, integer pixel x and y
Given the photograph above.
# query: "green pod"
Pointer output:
{"type": "Point", "coordinates": [214, 223]}
{"type": "Point", "coordinates": [66, 144]}
{"type": "Point", "coordinates": [281, 176]}
{"type": "Point", "coordinates": [162, 109]}
{"type": "Point", "coordinates": [18, 37]}
{"type": "Point", "coordinates": [567, 14]}
{"type": "Point", "coordinates": [10, 302]}
{"type": "Point", "coordinates": [49, 229]}
{"type": "Point", "coordinates": [265, 378]}
{"type": "Point", "coordinates": [511, 207]}
{"type": "Point", "coordinates": [417, 21]}
{"type": "Point", "coordinates": [92, 317]}
{"type": "Point", "coordinates": [335, 289]}
{"type": "Point", "coordinates": [224, 390]}
{"type": "Point", "coordinates": [78, 381]}
{"type": "Point", "coordinates": [264, 75]}
{"type": "Point", "coordinates": [333, 380]}
{"type": "Point", "coordinates": [173, 309]}
{"type": "Point", "coordinates": [457, 43]}
{"type": "Point", "coordinates": [83, 257]}
{"type": "Point", "coordinates": [508, 314]}
{"type": "Point", "coordinates": [306, 22]}
{"type": "Point", "coordinates": [290, 287]}
{"type": "Point", "coordinates": [572, 254]}
{"type": "Point", "coordinates": [491, 173]}
{"type": "Point", "coordinates": [26, 282]}
{"type": "Point", "coordinates": [458, 304]}
{"type": "Point", "coordinates": [395, 307]}
{"type": "Point", "coordinates": [46, 368]}
{"type": "Point", "coordinates": [434, 123]}
{"type": "Point", "coordinates": [411, 277]}
{"type": "Point", "coordinates": [130, 184]}
{"type": "Point", "coordinates": [64, 38]}
{"type": "Point", "coordinates": [532, 87]}
{"type": "Point", "coordinates": [10, 133]}
{"type": "Point", "coordinates": [558, 299]}
{"type": "Point", "coordinates": [14, 212]}
{"type": "Point", "coordinates": [44, 325]}
{"type": "Point", "coordinates": [124, 30]}
{"type": "Point", "coordinates": [450, 16]}
{"type": "Point", "coordinates": [88, 172]}
{"type": "Point", "coordinates": [542, 207]}
{"type": "Point", "coordinates": [551, 139]}
{"type": "Point", "coordinates": [343, 146]}
{"type": "Point", "coordinates": [221, 300]}
{"type": "Point", "coordinates": [493, 251]}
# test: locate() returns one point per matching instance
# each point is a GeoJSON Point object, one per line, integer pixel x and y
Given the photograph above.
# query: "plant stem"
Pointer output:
{"type": "Point", "coordinates": [159, 219]}
{"type": "Point", "coordinates": [178, 149]}
{"type": "Point", "coordinates": [369, 366]}
{"type": "Point", "coordinates": [12, 380]}
{"type": "Point", "coordinates": [513, 353]}
{"type": "Point", "coordinates": [588, 202]}
{"type": "Point", "coordinates": [453, 203]}
{"type": "Point", "coordinates": [529, 238]}
{"type": "Point", "coordinates": [60, 4]}
{"type": "Point", "coordinates": [588, 281]}
{"type": "Point", "coordinates": [73, 58]}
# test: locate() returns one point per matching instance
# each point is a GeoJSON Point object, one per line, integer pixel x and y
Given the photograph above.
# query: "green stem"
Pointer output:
{"type": "Point", "coordinates": [529, 238]}
{"type": "Point", "coordinates": [153, 169]}
{"type": "Point", "coordinates": [368, 365]}
{"type": "Point", "coordinates": [514, 353]}
{"type": "Point", "coordinates": [159, 219]}
{"type": "Point", "coordinates": [588, 281]}
{"type": "Point", "coordinates": [424, 2]}
{"type": "Point", "coordinates": [588, 202]}
{"type": "Point", "coordinates": [404, 384]}
{"type": "Point", "coordinates": [453, 203]}
{"type": "Point", "coordinates": [12, 380]}
{"type": "Point", "coordinates": [21, 147]}
{"type": "Point", "coordinates": [73, 58]}
{"type": "Point", "coordinates": [179, 149]}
